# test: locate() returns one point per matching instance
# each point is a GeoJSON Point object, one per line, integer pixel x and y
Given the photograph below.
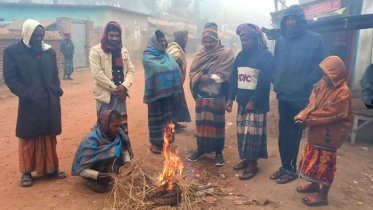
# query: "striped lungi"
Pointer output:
{"type": "Point", "coordinates": [210, 123]}
{"type": "Point", "coordinates": [38, 154]}
{"type": "Point", "coordinates": [115, 104]}
{"type": "Point", "coordinates": [160, 114]}
{"type": "Point", "coordinates": [251, 134]}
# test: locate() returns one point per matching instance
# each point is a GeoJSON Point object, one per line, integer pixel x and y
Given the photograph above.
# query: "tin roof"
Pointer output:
{"type": "Point", "coordinates": [67, 6]}
{"type": "Point", "coordinates": [17, 24]}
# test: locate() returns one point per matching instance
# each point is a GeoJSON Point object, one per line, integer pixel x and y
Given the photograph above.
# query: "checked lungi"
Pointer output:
{"type": "Point", "coordinates": [251, 134]}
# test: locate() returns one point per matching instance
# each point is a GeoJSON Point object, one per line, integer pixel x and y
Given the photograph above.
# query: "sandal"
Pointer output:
{"type": "Point", "coordinates": [241, 165]}
{"type": "Point", "coordinates": [155, 150]}
{"type": "Point", "coordinates": [308, 189]}
{"type": "Point", "coordinates": [253, 173]}
{"type": "Point", "coordinates": [58, 174]}
{"type": "Point", "coordinates": [313, 202]}
{"type": "Point", "coordinates": [26, 180]}
{"type": "Point", "coordinates": [287, 177]}
{"type": "Point", "coordinates": [277, 174]}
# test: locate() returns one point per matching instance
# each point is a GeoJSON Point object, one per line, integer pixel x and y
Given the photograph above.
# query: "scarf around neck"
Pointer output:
{"type": "Point", "coordinates": [115, 50]}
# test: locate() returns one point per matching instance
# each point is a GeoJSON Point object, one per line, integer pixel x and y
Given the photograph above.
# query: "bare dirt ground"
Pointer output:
{"type": "Point", "coordinates": [351, 190]}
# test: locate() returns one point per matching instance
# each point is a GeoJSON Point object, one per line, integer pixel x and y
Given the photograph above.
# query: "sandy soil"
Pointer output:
{"type": "Point", "coordinates": [79, 115]}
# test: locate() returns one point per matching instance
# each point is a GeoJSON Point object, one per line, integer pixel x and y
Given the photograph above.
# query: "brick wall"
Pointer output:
{"type": "Point", "coordinates": [63, 25]}
{"type": "Point", "coordinates": [51, 39]}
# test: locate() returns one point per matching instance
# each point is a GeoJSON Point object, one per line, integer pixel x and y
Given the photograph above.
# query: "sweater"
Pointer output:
{"type": "Point", "coordinates": [251, 79]}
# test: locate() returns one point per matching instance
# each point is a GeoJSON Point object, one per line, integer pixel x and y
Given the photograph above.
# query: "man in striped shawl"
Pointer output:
{"type": "Point", "coordinates": [209, 76]}
{"type": "Point", "coordinates": [163, 89]}
{"type": "Point", "coordinates": [250, 86]}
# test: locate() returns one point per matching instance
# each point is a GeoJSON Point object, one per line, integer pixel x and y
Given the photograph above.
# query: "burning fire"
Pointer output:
{"type": "Point", "coordinates": [172, 166]}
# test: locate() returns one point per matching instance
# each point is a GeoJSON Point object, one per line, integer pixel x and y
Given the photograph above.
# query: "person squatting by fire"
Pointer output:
{"type": "Point", "coordinates": [102, 152]}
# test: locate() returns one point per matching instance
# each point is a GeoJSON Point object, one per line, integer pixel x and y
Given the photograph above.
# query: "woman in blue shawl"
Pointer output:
{"type": "Point", "coordinates": [163, 89]}
{"type": "Point", "coordinates": [102, 152]}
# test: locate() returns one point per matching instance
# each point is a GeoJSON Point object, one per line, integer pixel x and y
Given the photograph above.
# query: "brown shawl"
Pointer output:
{"type": "Point", "coordinates": [219, 62]}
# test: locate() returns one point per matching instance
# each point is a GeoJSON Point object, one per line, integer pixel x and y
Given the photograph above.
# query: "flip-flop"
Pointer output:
{"type": "Point", "coordinates": [277, 174]}
{"type": "Point", "coordinates": [307, 189]}
{"type": "Point", "coordinates": [288, 176]}
{"type": "Point", "coordinates": [242, 165]}
{"type": "Point", "coordinates": [253, 171]}
{"type": "Point", "coordinates": [26, 177]}
{"type": "Point", "coordinates": [307, 201]}
{"type": "Point", "coordinates": [59, 174]}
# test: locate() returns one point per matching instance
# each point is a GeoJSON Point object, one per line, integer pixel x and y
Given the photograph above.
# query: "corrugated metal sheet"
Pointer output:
{"type": "Point", "coordinates": [17, 24]}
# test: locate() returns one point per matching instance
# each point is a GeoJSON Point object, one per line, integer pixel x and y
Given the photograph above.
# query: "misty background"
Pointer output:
{"type": "Point", "coordinates": [229, 13]}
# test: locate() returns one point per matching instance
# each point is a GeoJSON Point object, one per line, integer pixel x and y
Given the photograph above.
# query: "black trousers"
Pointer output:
{"type": "Point", "coordinates": [290, 133]}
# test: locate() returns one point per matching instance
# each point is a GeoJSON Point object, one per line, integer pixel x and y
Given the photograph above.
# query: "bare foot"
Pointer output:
{"type": "Point", "coordinates": [309, 188]}
{"type": "Point", "coordinates": [316, 200]}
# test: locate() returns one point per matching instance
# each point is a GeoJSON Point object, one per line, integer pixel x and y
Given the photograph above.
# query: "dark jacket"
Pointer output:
{"type": "Point", "coordinates": [298, 55]}
{"type": "Point", "coordinates": [367, 86]}
{"type": "Point", "coordinates": [36, 83]}
{"type": "Point", "coordinates": [67, 48]}
{"type": "Point", "coordinates": [251, 79]}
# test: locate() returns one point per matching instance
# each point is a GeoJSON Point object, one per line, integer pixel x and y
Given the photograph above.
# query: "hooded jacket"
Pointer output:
{"type": "Point", "coordinates": [298, 55]}
{"type": "Point", "coordinates": [329, 113]}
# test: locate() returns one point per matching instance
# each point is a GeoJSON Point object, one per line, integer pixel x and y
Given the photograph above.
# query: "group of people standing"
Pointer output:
{"type": "Point", "coordinates": [217, 78]}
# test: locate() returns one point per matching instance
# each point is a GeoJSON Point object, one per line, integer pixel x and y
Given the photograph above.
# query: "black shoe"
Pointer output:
{"type": "Point", "coordinates": [179, 127]}
{"type": "Point", "coordinates": [219, 160]}
{"type": "Point", "coordinates": [64, 78]}
{"type": "Point", "coordinates": [69, 78]}
{"type": "Point", "coordinates": [196, 156]}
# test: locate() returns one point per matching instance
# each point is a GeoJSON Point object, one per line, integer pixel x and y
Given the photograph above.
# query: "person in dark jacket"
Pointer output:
{"type": "Point", "coordinates": [367, 87]}
{"type": "Point", "coordinates": [250, 87]}
{"type": "Point", "coordinates": [298, 53]}
{"type": "Point", "coordinates": [31, 73]}
{"type": "Point", "coordinates": [67, 49]}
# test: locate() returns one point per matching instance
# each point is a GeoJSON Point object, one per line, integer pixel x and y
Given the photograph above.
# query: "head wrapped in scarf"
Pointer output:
{"type": "Point", "coordinates": [103, 123]}
{"type": "Point", "coordinates": [251, 30]}
{"type": "Point", "coordinates": [180, 37]}
{"type": "Point", "coordinates": [115, 50]}
{"type": "Point", "coordinates": [154, 47]}
{"type": "Point", "coordinates": [28, 29]}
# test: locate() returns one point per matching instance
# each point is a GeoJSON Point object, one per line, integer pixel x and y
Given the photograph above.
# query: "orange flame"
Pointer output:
{"type": "Point", "coordinates": [172, 166]}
